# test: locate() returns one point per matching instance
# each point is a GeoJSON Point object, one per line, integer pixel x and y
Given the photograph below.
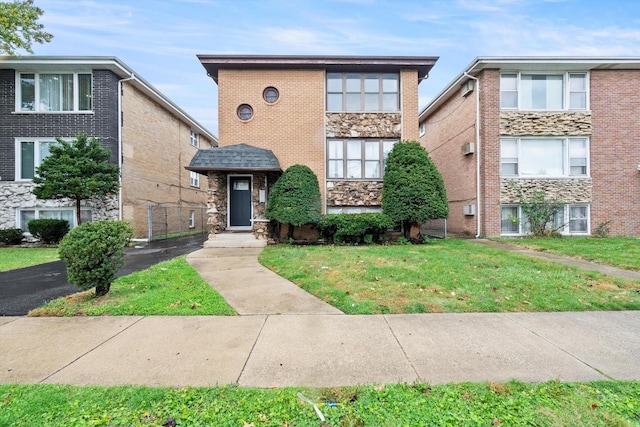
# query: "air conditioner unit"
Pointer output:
{"type": "Point", "coordinates": [469, 209]}
{"type": "Point", "coordinates": [466, 88]}
{"type": "Point", "coordinates": [468, 148]}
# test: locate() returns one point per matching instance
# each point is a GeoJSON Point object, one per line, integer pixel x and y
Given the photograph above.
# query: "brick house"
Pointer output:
{"type": "Point", "coordinates": [150, 137]}
{"type": "Point", "coordinates": [568, 126]}
{"type": "Point", "coordinates": [339, 115]}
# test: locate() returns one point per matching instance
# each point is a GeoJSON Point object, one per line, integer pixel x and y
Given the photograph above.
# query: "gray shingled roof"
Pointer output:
{"type": "Point", "coordinates": [241, 157]}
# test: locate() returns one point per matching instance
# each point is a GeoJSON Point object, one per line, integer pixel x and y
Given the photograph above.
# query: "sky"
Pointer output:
{"type": "Point", "coordinates": [159, 40]}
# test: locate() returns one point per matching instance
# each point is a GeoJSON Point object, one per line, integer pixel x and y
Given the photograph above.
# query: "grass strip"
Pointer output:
{"type": "Point", "coordinates": [14, 258]}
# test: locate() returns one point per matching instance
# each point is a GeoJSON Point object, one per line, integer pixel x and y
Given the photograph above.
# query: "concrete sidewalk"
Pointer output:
{"type": "Point", "coordinates": [320, 350]}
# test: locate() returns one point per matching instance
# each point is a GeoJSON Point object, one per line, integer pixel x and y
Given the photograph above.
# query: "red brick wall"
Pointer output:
{"type": "Point", "coordinates": [615, 150]}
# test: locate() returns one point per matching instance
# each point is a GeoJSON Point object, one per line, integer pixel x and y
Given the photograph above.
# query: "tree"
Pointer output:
{"type": "Point", "coordinates": [295, 198]}
{"type": "Point", "coordinates": [413, 190]}
{"type": "Point", "coordinates": [78, 170]}
{"type": "Point", "coordinates": [19, 27]}
{"type": "Point", "coordinates": [94, 252]}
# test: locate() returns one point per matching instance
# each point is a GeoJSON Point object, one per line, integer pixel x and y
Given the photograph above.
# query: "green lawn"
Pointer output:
{"type": "Point", "coordinates": [13, 258]}
{"type": "Point", "coordinates": [621, 252]}
{"type": "Point", "coordinates": [171, 288]}
{"type": "Point", "coordinates": [445, 276]}
{"type": "Point", "coordinates": [607, 403]}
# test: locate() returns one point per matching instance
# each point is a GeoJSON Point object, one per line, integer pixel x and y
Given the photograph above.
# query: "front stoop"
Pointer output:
{"type": "Point", "coordinates": [235, 240]}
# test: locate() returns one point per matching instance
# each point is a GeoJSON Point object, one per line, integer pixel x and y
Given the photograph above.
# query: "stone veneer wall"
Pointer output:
{"type": "Point", "coordinates": [354, 193]}
{"type": "Point", "coordinates": [545, 123]}
{"type": "Point", "coordinates": [17, 195]}
{"type": "Point", "coordinates": [364, 125]}
{"type": "Point", "coordinates": [567, 190]}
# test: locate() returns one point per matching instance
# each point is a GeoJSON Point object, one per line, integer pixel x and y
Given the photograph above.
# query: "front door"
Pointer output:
{"type": "Point", "coordinates": [240, 201]}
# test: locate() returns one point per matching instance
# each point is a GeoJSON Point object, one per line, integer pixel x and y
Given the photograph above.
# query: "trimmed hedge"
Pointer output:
{"type": "Point", "coordinates": [50, 231]}
{"type": "Point", "coordinates": [11, 236]}
{"type": "Point", "coordinates": [355, 228]}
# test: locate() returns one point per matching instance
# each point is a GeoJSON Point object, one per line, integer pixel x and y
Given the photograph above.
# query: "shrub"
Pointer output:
{"type": "Point", "coordinates": [539, 210]}
{"type": "Point", "coordinates": [11, 236]}
{"type": "Point", "coordinates": [94, 252]}
{"type": "Point", "coordinates": [354, 228]}
{"type": "Point", "coordinates": [50, 231]}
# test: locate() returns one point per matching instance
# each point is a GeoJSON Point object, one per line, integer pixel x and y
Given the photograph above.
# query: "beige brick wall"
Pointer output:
{"type": "Point", "coordinates": [156, 148]}
{"type": "Point", "coordinates": [615, 150]}
{"type": "Point", "coordinates": [409, 104]}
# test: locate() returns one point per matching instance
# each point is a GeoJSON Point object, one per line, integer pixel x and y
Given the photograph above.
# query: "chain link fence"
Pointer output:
{"type": "Point", "coordinates": [167, 221]}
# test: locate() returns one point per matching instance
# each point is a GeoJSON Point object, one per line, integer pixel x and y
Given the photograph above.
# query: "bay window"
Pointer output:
{"type": "Point", "coordinates": [544, 157]}
{"type": "Point", "coordinates": [532, 91]}
{"type": "Point", "coordinates": [42, 92]}
{"type": "Point", "coordinates": [357, 158]}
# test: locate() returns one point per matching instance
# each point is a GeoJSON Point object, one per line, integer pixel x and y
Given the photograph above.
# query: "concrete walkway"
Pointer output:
{"type": "Point", "coordinates": [286, 337]}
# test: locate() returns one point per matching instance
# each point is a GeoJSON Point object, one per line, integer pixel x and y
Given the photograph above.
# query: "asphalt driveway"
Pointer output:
{"type": "Point", "coordinates": [27, 288]}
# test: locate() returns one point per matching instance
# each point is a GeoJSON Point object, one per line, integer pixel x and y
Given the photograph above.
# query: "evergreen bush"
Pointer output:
{"type": "Point", "coordinates": [354, 228]}
{"type": "Point", "coordinates": [94, 252]}
{"type": "Point", "coordinates": [11, 236]}
{"type": "Point", "coordinates": [49, 231]}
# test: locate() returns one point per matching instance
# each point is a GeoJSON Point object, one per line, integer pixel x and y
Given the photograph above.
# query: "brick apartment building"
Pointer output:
{"type": "Point", "coordinates": [150, 137]}
{"type": "Point", "coordinates": [339, 115]}
{"type": "Point", "coordinates": [569, 126]}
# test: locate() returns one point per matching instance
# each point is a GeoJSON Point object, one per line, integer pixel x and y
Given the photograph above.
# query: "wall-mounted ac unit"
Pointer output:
{"type": "Point", "coordinates": [466, 88]}
{"type": "Point", "coordinates": [469, 209]}
{"type": "Point", "coordinates": [468, 148]}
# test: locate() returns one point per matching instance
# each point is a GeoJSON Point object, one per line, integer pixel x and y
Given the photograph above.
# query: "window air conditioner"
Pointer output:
{"type": "Point", "coordinates": [469, 209]}
{"type": "Point", "coordinates": [468, 148]}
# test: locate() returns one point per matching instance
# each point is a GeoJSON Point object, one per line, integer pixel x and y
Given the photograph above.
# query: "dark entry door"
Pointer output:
{"type": "Point", "coordinates": [240, 201]}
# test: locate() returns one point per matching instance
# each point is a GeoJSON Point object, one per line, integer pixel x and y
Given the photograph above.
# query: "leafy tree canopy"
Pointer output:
{"type": "Point", "coordinates": [78, 170]}
{"type": "Point", "coordinates": [19, 27]}
{"type": "Point", "coordinates": [295, 198]}
{"type": "Point", "coordinates": [413, 190]}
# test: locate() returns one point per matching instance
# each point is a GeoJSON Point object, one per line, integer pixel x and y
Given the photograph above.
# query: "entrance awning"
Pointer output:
{"type": "Point", "coordinates": [241, 157]}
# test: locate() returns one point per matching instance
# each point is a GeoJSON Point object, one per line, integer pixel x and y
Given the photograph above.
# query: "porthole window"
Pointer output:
{"type": "Point", "coordinates": [245, 112]}
{"type": "Point", "coordinates": [270, 94]}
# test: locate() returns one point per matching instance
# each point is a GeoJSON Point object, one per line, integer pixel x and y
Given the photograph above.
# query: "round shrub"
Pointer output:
{"type": "Point", "coordinates": [11, 236]}
{"type": "Point", "coordinates": [94, 252]}
{"type": "Point", "coordinates": [49, 231]}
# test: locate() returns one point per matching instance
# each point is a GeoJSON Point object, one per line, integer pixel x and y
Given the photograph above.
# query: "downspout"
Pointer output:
{"type": "Point", "coordinates": [478, 210]}
{"type": "Point", "coordinates": [120, 142]}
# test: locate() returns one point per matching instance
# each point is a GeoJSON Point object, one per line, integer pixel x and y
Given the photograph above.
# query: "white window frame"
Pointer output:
{"type": "Point", "coordinates": [422, 129]}
{"type": "Point", "coordinates": [381, 92]}
{"type": "Point", "coordinates": [39, 210]}
{"type": "Point", "coordinates": [384, 146]}
{"type": "Point", "coordinates": [566, 157]}
{"type": "Point", "coordinates": [194, 139]}
{"type": "Point", "coordinates": [192, 219]}
{"type": "Point", "coordinates": [566, 90]}
{"type": "Point", "coordinates": [36, 155]}
{"type": "Point", "coordinates": [194, 179]}
{"type": "Point", "coordinates": [565, 229]}
{"type": "Point", "coordinates": [37, 101]}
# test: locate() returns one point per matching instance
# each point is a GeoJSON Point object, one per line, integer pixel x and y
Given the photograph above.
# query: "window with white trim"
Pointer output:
{"type": "Point", "coordinates": [423, 128]}
{"type": "Point", "coordinates": [357, 158]}
{"type": "Point", "coordinates": [544, 157]}
{"type": "Point", "coordinates": [194, 139]}
{"type": "Point", "coordinates": [194, 179]}
{"type": "Point", "coordinates": [41, 92]}
{"type": "Point", "coordinates": [363, 92]}
{"type": "Point", "coordinates": [531, 91]}
{"type": "Point", "coordinates": [192, 219]}
{"type": "Point", "coordinates": [572, 219]}
{"type": "Point", "coordinates": [29, 154]}
{"type": "Point", "coordinates": [27, 214]}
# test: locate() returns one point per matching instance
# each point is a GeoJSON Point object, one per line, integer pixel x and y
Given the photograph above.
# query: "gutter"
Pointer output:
{"type": "Point", "coordinates": [478, 194]}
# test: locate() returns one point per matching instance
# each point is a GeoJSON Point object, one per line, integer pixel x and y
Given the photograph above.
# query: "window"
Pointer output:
{"type": "Point", "coordinates": [192, 219]}
{"type": "Point", "coordinates": [543, 91]}
{"type": "Point", "coordinates": [41, 92]}
{"type": "Point", "coordinates": [353, 209]}
{"type": "Point", "coordinates": [533, 157]}
{"type": "Point", "coordinates": [69, 214]}
{"type": "Point", "coordinates": [194, 179]}
{"type": "Point", "coordinates": [422, 128]}
{"type": "Point", "coordinates": [357, 159]}
{"type": "Point", "coordinates": [362, 92]}
{"type": "Point", "coordinates": [30, 154]}
{"type": "Point", "coordinates": [572, 219]}
{"type": "Point", "coordinates": [245, 112]}
{"type": "Point", "coordinates": [194, 139]}
{"type": "Point", "coordinates": [270, 94]}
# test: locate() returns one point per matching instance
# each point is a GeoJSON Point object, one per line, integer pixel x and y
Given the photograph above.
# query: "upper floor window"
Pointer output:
{"type": "Point", "coordinates": [422, 129]}
{"type": "Point", "coordinates": [362, 92]}
{"type": "Point", "coordinates": [521, 91]}
{"type": "Point", "coordinates": [41, 92]}
{"type": "Point", "coordinates": [535, 157]}
{"type": "Point", "coordinates": [194, 139]}
{"type": "Point", "coordinates": [29, 155]}
{"type": "Point", "coordinates": [357, 158]}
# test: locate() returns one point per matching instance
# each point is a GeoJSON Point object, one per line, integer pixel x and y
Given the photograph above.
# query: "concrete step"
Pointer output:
{"type": "Point", "coordinates": [235, 240]}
